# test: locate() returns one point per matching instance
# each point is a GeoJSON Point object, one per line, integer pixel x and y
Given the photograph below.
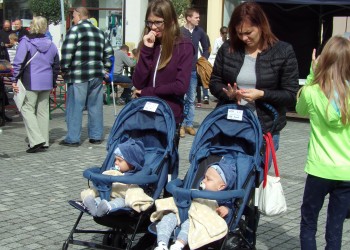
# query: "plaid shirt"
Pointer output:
{"type": "Point", "coordinates": [85, 53]}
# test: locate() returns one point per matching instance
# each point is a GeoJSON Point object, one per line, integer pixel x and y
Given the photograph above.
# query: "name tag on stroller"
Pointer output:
{"type": "Point", "coordinates": [151, 106]}
{"type": "Point", "coordinates": [235, 114]}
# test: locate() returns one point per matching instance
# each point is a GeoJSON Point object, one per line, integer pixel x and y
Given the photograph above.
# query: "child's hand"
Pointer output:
{"type": "Point", "coordinates": [222, 211]}
{"type": "Point", "coordinates": [314, 60]}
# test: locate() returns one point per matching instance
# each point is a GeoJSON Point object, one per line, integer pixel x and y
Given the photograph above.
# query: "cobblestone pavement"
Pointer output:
{"type": "Point", "coordinates": [35, 188]}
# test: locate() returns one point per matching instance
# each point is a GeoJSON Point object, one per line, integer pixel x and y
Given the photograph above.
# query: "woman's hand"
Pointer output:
{"type": "Point", "coordinates": [15, 87]}
{"type": "Point", "coordinates": [222, 211]}
{"type": "Point", "coordinates": [250, 95]}
{"type": "Point", "coordinates": [136, 93]}
{"type": "Point", "coordinates": [232, 92]}
{"type": "Point", "coordinates": [149, 39]}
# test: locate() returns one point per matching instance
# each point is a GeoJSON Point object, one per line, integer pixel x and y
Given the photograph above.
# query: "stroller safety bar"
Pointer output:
{"type": "Point", "coordinates": [173, 187]}
{"type": "Point", "coordinates": [94, 175]}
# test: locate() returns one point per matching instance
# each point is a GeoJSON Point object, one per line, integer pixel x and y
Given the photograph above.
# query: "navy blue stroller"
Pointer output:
{"type": "Point", "coordinates": [150, 120]}
{"type": "Point", "coordinates": [234, 132]}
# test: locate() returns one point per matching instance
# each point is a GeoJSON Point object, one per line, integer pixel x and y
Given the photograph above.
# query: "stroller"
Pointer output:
{"type": "Point", "coordinates": [151, 121]}
{"type": "Point", "coordinates": [234, 132]}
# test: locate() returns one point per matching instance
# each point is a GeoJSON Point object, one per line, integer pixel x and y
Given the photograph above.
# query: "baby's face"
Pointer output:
{"type": "Point", "coordinates": [213, 181]}
{"type": "Point", "coordinates": [122, 164]}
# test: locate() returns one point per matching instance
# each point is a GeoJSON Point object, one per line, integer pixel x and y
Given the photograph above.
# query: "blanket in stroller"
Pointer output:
{"type": "Point", "coordinates": [206, 225]}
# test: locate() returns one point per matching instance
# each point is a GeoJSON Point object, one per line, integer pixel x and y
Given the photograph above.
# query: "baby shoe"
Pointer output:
{"type": "Point", "coordinates": [103, 208]}
{"type": "Point", "coordinates": [90, 204]}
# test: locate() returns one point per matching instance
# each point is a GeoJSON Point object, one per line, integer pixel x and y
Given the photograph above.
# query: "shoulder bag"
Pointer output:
{"type": "Point", "coordinates": [271, 199]}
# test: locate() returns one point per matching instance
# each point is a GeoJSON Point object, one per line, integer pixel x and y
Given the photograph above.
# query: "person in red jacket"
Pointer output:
{"type": "Point", "coordinates": [165, 60]}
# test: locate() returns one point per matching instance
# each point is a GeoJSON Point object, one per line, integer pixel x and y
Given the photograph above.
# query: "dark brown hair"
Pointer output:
{"type": "Point", "coordinates": [253, 13]}
{"type": "Point", "coordinates": [171, 32]}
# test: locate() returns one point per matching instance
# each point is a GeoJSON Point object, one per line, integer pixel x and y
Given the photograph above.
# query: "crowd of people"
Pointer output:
{"type": "Point", "coordinates": [251, 67]}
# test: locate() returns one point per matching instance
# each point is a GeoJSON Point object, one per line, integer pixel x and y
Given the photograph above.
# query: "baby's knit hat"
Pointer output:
{"type": "Point", "coordinates": [226, 168]}
{"type": "Point", "coordinates": [133, 152]}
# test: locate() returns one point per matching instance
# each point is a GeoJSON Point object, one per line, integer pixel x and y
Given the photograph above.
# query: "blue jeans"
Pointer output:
{"type": "Point", "coordinates": [126, 95]}
{"type": "Point", "coordinates": [316, 189]}
{"type": "Point", "coordinates": [189, 101]}
{"type": "Point", "coordinates": [79, 95]}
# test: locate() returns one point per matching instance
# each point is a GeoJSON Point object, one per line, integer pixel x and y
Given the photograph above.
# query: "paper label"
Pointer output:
{"type": "Point", "coordinates": [235, 114]}
{"type": "Point", "coordinates": [151, 106]}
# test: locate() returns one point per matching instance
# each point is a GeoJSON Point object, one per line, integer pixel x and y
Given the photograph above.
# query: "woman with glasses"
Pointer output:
{"type": "Point", "coordinates": [165, 59]}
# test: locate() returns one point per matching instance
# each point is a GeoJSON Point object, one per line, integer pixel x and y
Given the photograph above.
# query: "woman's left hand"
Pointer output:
{"type": "Point", "coordinates": [15, 87]}
{"type": "Point", "coordinates": [250, 95]}
{"type": "Point", "coordinates": [136, 93]}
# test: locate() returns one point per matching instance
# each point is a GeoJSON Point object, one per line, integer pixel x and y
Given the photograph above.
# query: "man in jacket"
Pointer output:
{"type": "Point", "coordinates": [197, 35]}
{"type": "Point", "coordinates": [19, 30]}
{"type": "Point", "coordinates": [86, 56]}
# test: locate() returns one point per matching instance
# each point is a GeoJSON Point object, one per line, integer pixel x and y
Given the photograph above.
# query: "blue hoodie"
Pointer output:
{"type": "Point", "coordinates": [41, 73]}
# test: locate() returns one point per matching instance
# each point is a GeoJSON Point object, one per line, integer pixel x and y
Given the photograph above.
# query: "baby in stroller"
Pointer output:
{"type": "Point", "coordinates": [129, 159]}
{"type": "Point", "coordinates": [218, 176]}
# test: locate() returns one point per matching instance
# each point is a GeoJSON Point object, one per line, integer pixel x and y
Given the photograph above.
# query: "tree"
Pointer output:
{"type": "Point", "coordinates": [180, 6]}
{"type": "Point", "coordinates": [50, 9]}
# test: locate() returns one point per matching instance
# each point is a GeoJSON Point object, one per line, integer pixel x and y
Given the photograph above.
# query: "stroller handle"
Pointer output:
{"type": "Point", "coordinates": [174, 187]}
{"type": "Point", "coordinates": [94, 175]}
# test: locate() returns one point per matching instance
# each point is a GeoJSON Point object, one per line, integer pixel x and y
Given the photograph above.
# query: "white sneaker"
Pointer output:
{"type": "Point", "coordinates": [161, 246]}
{"type": "Point", "coordinates": [177, 246]}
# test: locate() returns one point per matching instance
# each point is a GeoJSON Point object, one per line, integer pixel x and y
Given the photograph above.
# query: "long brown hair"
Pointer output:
{"type": "Point", "coordinates": [252, 12]}
{"type": "Point", "coordinates": [332, 73]}
{"type": "Point", "coordinates": [171, 32]}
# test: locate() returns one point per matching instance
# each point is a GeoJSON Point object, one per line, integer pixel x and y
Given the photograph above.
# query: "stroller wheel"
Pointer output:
{"type": "Point", "coordinates": [108, 239]}
{"type": "Point", "coordinates": [119, 241]}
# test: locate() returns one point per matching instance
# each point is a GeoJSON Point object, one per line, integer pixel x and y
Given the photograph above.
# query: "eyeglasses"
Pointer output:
{"type": "Point", "coordinates": [158, 24]}
{"type": "Point", "coordinates": [224, 33]}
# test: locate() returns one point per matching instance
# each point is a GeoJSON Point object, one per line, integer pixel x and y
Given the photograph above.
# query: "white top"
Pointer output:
{"type": "Point", "coordinates": [217, 44]}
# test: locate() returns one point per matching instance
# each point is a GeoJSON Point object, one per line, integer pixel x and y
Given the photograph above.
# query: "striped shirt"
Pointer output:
{"type": "Point", "coordinates": [85, 53]}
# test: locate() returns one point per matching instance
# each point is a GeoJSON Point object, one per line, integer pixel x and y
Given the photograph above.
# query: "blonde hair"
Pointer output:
{"type": "Point", "coordinates": [38, 25]}
{"type": "Point", "coordinates": [333, 74]}
{"type": "Point", "coordinates": [14, 37]}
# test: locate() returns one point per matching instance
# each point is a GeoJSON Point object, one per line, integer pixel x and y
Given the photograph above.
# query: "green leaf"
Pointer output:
{"type": "Point", "coordinates": [50, 9]}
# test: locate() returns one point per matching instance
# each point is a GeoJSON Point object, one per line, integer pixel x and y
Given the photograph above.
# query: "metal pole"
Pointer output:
{"type": "Point", "coordinates": [63, 21]}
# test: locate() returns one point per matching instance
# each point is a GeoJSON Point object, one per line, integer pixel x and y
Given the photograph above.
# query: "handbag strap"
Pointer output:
{"type": "Point", "coordinates": [31, 59]}
{"type": "Point", "coordinates": [22, 70]}
{"type": "Point", "coordinates": [270, 147]}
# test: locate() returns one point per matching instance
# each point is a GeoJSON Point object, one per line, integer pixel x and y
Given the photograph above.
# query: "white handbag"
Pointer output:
{"type": "Point", "coordinates": [271, 200]}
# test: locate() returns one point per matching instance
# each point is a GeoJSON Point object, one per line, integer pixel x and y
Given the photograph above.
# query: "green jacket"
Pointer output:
{"type": "Point", "coordinates": [329, 145]}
